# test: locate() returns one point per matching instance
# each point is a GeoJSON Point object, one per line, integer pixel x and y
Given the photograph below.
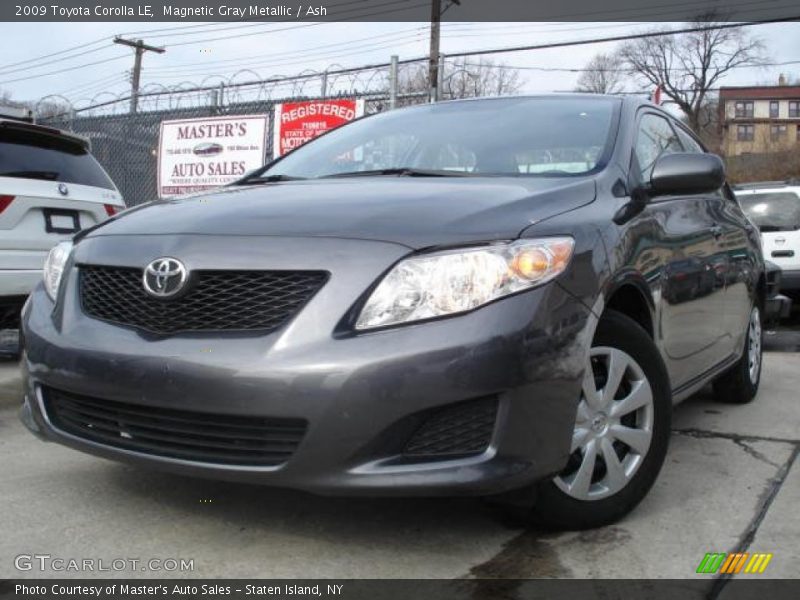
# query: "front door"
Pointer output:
{"type": "Point", "coordinates": [688, 285]}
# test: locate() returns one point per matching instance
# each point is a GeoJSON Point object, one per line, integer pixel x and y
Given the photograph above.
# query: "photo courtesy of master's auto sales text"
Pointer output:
{"type": "Point", "coordinates": [400, 300]}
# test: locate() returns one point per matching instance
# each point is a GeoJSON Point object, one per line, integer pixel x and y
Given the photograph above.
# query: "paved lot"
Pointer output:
{"type": "Point", "coordinates": [731, 482]}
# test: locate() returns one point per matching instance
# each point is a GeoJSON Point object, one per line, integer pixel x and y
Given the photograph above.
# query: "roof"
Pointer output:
{"type": "Point", "coordinates": [759, 92]}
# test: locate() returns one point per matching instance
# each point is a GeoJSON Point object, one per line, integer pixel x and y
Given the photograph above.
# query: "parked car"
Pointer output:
{"type": "Point", "coordinates": [50, 188]}
{"type": "Point", "coordinates": [460, 307]}
{"type": "Point", "coordinates": [777, 306]}
{"type": "Point", "coordinates": [775, 209]}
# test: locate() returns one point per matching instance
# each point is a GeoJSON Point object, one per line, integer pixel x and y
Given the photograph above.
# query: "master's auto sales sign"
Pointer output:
{"type": "Point", "coordinates": [298, 122]}
{"type": "Point", "coordinates": [200, 154]}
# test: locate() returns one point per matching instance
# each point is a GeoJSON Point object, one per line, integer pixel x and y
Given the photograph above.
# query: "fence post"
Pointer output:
{"type": "Point", "coordinates": [440, 76]}
{"type": "Point", "coordinates": [393, 82]}
{"type": "Point", "coordinates": [324, 84]}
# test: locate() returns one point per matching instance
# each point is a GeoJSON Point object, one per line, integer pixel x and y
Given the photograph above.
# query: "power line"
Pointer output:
{"type": "Point", "coordinates": [622, 70]}
{"type": "Point", "coordinates": [373, 14]}
{"type": "Point", "coordinates": [348, 49]}
{"type": "Point", "coordinates": [150, 32]}
{"type": "Point", "coordinates": [117, 77]}
{"type": "Point", "coordinates": [179, 29]}
{"type": "Point", "coordinates": [487, 51]}
{"type": "Point", "coordinates": [305, 58]}
{"type": "Point", "coordinates": [59, 52]}
{"type": "Point", "coordinates": [620, 38]}
{"type": "Point", "coordinates": [58, 71]}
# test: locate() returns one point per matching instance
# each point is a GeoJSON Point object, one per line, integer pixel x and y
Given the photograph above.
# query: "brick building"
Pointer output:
{"type": "Point", "coordinates": [759, 119]}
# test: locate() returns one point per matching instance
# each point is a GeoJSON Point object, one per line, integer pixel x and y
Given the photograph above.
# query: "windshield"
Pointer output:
{"type": "Point", "coordinates": [554, 136]}
{"type": "Point", "coordinates": [776, 211]}
{"type": "Point", "coordinates": [29, 156]}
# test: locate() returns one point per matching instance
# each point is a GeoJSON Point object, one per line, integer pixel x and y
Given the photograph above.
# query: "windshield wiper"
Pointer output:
{"type": "Point", "coordinates": [46, 175]}
{"type": "Point", "coordinates": [268, 179]}
{"type": "Point", "coordinates": [400, 172]}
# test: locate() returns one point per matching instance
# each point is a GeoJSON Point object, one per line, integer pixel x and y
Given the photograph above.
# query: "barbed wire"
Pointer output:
{"type": "Point", "coordinates": [242, 86]}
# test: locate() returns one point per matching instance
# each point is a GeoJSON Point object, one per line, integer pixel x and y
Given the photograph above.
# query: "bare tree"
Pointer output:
{"type": "Point", "coordinates": [602, 75]}
{"type": "Point", "coordinates": [688, 66]}
{"type": "Point", "coordinates": [464, 78]}
{"type": "Point", "coordinates": [50, 109]}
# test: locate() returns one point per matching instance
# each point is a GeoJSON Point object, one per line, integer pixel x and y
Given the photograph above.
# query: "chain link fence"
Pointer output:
{"type": "Point", "coordinates": [126, 145]}
{"type": "Point", "coordinates": [125, 141]}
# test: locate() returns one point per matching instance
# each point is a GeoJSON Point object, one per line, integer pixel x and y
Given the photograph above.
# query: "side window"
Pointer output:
{"type": "Point", "coordinates": [654, 139]}
{"type": "Point", "coordinates": [689, 143]}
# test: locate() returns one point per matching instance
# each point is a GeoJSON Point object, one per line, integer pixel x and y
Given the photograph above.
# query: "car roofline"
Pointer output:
{"type": "Point", "coordinates": [46, 131]}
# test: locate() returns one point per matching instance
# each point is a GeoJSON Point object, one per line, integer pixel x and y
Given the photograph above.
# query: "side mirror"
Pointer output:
{"type": "Point", "coordinates": [687, 173]}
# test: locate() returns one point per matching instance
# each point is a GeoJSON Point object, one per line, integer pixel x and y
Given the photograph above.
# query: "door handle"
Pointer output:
{"type": "Point", "coordinates": [716, 231]}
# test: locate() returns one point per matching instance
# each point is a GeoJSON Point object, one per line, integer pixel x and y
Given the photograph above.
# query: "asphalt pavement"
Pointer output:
{"type": "Point", "coordinates": [730, 483]}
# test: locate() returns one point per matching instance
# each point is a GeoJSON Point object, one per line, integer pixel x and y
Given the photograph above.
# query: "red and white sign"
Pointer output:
{"type": "Point", "coordinates": [201, 154]}
{"type": "Point", "coordinates": [298, 122]}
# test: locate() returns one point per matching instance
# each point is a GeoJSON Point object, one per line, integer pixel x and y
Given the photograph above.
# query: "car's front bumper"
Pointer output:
{"type": "Point", "coordinates": [18, 282]}
{"type": "Point", "coordinates": [527, 350]}
{"type": "Point", "coordinates": [790, 280]}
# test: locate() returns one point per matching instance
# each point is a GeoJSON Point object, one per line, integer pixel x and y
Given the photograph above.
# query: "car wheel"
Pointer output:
{"type": "Point", "coordinates": [621, 432]}
{"type": "Point", "coordinates": [739, 385]}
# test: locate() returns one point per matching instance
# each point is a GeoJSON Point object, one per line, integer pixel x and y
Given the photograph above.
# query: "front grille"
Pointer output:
{"type": "Point", "coordinates": [460, 430]}
{"type": "Point", "coordinates": [213, 301]}
{"type": "Point", "coordinates": [188, 435]}
{"type": "Point", "coordinates": [10, 308]}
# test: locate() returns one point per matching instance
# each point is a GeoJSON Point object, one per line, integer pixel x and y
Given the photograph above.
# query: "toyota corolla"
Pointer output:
{"type": "Point", "coordinates": [484, 297]}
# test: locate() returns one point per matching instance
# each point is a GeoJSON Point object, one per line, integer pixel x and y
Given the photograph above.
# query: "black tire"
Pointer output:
{"type": "Point", "coordinates": [737, 386]}
{"type": "Point", "coordinates": [554, 508]}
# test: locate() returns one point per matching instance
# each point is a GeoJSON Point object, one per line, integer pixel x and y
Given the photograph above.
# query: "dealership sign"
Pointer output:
{"type": "Point", "coordinates": [298, 122]}
{"type": "Point", "coordinates": [200, 154]}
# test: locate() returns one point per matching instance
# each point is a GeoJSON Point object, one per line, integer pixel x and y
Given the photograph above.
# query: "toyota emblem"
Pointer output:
{"type": "Point", "coordinates": [164, 277]}
{"type": "Point", "coordinates": [63, 189]}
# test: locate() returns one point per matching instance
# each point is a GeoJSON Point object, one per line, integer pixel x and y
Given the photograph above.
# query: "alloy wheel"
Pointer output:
{"type": "Point", "coordinates": [754, 345]}
{"type": "Point", "coordinates": [613, 427]}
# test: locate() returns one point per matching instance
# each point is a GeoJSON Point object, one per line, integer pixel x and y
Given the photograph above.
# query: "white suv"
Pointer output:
{"type": "Point", "coordinates": [50, 187]}
{"type": "Point", "coordinates": [775, 209]}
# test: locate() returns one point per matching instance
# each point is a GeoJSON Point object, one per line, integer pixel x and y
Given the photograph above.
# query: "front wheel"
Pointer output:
{"type": "Point", "coordinates": [621, 432]}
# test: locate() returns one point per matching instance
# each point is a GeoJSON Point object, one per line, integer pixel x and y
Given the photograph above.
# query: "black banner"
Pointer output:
{"type": "Point", "coordinates": [396, 10]}
{"type": "Point", "coordinates": [401, 589]}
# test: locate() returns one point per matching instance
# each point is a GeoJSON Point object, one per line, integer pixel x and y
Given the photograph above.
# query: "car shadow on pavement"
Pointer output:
{"type": "Point", "coordinates": [249, 505]}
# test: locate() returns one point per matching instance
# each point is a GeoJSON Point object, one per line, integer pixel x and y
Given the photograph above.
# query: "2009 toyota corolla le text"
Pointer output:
{"type": "Point", "coordinates": [475, 297]}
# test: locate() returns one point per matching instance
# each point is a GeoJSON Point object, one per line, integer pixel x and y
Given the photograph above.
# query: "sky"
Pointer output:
{"type": "Point", "coordinates": [208, 53]}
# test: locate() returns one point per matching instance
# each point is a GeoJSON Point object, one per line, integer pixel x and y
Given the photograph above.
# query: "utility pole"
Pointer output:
{"type": "Point", "coordinates": [139, 48]}
{"type": "Point", "coordinates": [434, 79]}
{"type": "Point", "coordinates": [393, 81]}
{"type": "Point", "coordinates": [433, 56]}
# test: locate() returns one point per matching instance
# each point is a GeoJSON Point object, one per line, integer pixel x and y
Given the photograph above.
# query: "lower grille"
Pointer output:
{"type": "Point", "coordinates": [213, 301]}
{"type": "Point", "coordinates": [10, 309]}
{"type": "Point", "coordinates": [460, 430]}
{"type": "Point", "coordinates": [195, 436]}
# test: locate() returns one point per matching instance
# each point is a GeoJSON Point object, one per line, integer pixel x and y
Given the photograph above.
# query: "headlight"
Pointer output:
{"type": "Point", "coordinates": [54, 267]}
{"type": "Point", "coordinates": [456, 281]}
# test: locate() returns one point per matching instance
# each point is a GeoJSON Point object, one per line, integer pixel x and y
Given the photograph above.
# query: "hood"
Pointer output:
{"type": "Point", "coordinates": [415, 212]}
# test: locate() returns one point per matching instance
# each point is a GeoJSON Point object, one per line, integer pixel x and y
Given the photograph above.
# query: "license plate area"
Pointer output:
{"type": "Point", "coordinates": [58, 220]}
